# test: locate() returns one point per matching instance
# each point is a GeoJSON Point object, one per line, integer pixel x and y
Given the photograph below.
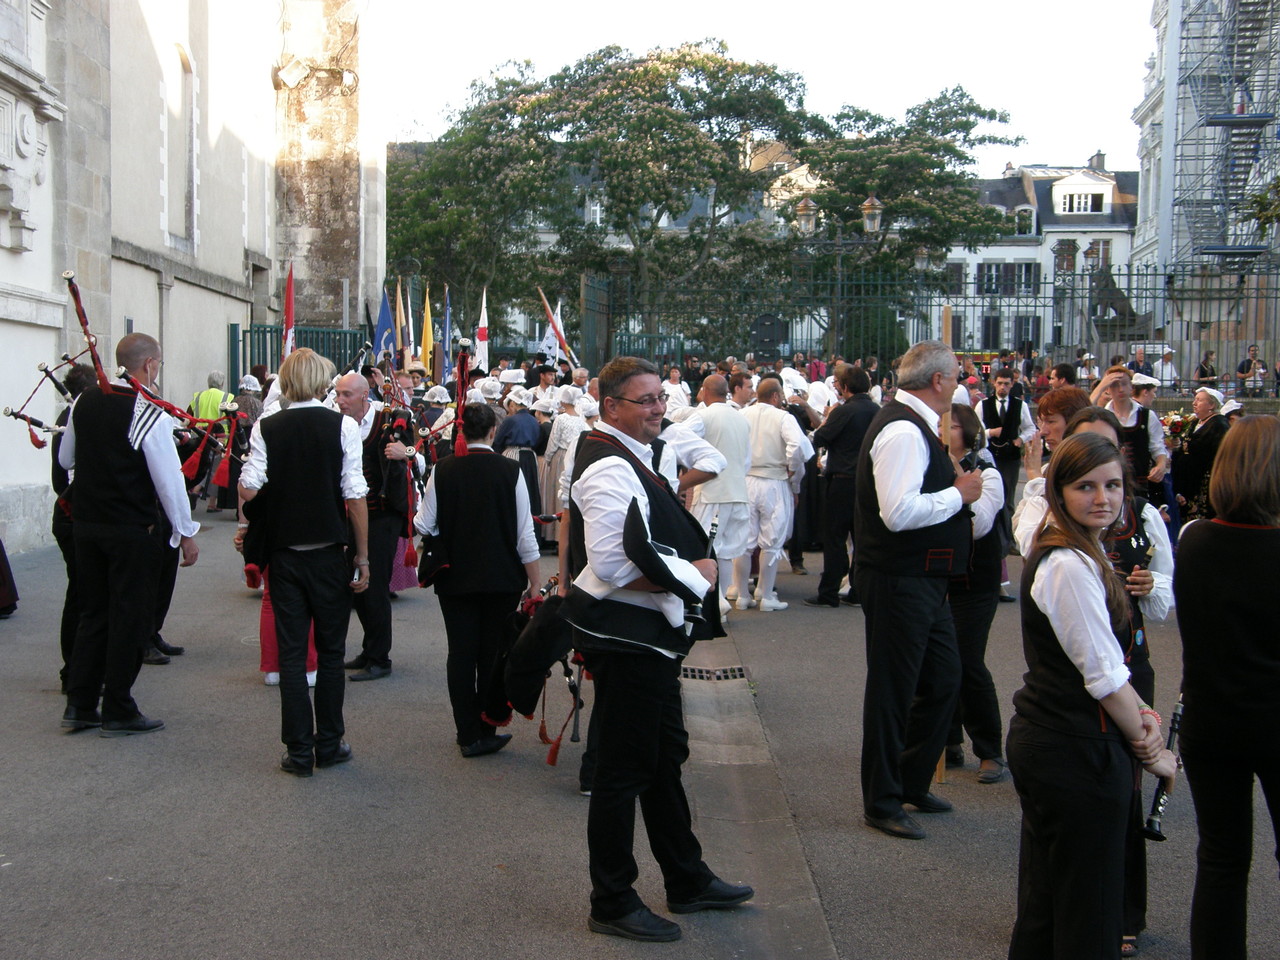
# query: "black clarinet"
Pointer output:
{"type": "Point", "coordinates": [1152, 830]}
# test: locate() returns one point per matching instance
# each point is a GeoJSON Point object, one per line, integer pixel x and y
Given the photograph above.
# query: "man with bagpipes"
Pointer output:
{"type": "Point", "coordinates": [643, 592]}
{"type": "Point", "coordinates": [121, 446]}
{"type": "Point", "coordinates": [392, 469]}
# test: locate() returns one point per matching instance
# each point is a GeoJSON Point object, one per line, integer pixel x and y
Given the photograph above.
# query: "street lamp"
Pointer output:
{"type": "Point", "coordinates": [807, 222]}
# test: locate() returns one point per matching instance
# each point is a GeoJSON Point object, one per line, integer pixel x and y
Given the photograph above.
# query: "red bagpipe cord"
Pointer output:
{"type": "Point", "coordinates": [463, 367]}
{"type": "Point", "coordinates": [222, 476]}
{"type": "Point", "coordinates": [36, 441]}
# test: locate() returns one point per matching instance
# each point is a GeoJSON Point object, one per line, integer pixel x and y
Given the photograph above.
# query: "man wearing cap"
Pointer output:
{"type": "Point", "coordinates": [1165, 372]}
{"type": "Point", "coordinates": [546, 387]}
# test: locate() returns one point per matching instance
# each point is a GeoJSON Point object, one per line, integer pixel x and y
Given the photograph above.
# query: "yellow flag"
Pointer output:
{"type": "Point", "coordinates": [399, 325]}
{"type": "Point", "coordinates": [428, 355]}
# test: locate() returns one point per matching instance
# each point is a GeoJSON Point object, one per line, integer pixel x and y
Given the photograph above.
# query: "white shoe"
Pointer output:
{"type": "Point", "coordinates": [770, 604]}
{"type": "Point", "coordinates": [725, 607]}
{"type": "Point", "coordinates": [311, 674]}
{"type": "Point", "coordinates": [744, 603]}
{"type": "Point", "coordinates": [271, 679]}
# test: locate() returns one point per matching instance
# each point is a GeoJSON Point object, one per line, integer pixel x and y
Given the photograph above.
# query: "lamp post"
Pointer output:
{"type": "Point", "coordinates": [807, 212]}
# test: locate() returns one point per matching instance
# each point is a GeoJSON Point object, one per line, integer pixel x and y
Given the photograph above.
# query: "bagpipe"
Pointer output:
{"type": "Point", "coordinates": [1152, 830]}
{"type": "Point", "coordinates": [194, 427]}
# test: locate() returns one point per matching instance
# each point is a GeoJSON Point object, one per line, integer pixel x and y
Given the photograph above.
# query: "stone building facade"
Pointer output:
{"type": "Point", "coordinates": [178, 155]}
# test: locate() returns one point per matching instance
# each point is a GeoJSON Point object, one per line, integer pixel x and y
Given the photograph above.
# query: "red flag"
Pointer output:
{"type": "Point", "coordinates": [286, 346]}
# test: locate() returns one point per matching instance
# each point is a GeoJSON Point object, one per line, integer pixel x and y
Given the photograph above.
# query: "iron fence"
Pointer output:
{"type": "Point", "coordinates": [263, 343]}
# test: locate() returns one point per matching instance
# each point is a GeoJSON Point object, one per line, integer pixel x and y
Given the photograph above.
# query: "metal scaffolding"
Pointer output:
{"type": "Point", "coordinates": [1226, 148]}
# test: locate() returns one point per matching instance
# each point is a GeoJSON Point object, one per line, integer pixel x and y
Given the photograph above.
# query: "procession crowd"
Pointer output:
{"type": "Point", "coordinates": [670, 496]}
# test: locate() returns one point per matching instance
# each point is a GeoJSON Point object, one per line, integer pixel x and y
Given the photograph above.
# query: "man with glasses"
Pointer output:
{"type": "Point", "coordinates": [913, 533]}
{"type": "Point", "coordinates": [639, 561]}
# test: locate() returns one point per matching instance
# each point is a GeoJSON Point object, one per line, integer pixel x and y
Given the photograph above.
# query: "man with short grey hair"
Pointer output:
{"type": "Point", "coordinates": [913, 533]}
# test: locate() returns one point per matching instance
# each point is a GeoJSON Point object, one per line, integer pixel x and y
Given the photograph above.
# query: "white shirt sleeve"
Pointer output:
{"type": "Point", "coordinates": [354, 485]}
{"type": "Point", "coordinates": [1155, 436]}
{"type": "Point", "coordinates": [1027, 428]}
{"type": "Point", "coordinates": [988, 506]}
{"type": "Point", "coordinates": [67, 447]}
{"type": "Point", "coordinates": [690, 450]}
{"type": "Point", "coordinates": [1158, 604]}
{"type": "Point", "coordinates": [425, 521]}
{"type": "Point", "coordinates": [1068, 590]}
{"type": "Point", "coordinates": [1028, 517]}
{"type": "Point", "coordinates": [526, 543]}
{"type": "Point", "coordinates": [898, 458]}
{"type": "Point", "coordinates": [166, 476]}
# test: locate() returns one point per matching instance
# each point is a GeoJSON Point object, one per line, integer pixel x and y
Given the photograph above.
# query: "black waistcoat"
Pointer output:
{"type": "Point", "coordinates": [939, 550]}
{"type": "Point", "coordinates": [113, 484]}
{"type": "Point", "coordinates": [476, 507]}
{"type": "Point", "coordinates": [304, 477]}
{"type": "Point", "coordinates": [1133, 547]}
{"type": "Point", "coordinates": [1003, 447]}
{"type": "Point", "coordinates": [609, 624]}
{"type": "Point", "coordinates": [1053, 693]}
{"type": "Point", "coordinates": [1135, 444]}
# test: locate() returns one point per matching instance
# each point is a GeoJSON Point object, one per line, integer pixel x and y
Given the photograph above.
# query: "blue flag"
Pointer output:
{"type": "Point", "coordinates": [384, 336]}
{"type": "Point", "coordinates": [446, 337]}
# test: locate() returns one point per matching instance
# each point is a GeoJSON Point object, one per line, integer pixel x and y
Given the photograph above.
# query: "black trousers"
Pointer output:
{"type": "Point", "coordinates": [117, 567]}
{"type": "Point", "coordinates": [311, 586]}
{"type": "Point", "coordinates": [837, 528]}
{"type": "Point", "coordinates": [64, 535]}
{"type": "Point", "coordinates": [978, 710]}
{"type": "Point", "coordinates": [1142, 677]}
{"type": "Point", "coordinates": [167, 578]}
{"type": "Point", "coordinates": [475, 625]}
{"type": "Point", "coordinates": [913, 681]}
{"type": "Point", "coordinates": [1009, 470]}
{"type": "Point", "coordinates": [639, 722]}
{"type": "Point", "coordinates": [1221, 781]}
{"type": "Point", "coordinates": [373, 606]}
{"type": "Point", "coordinates": [1075, 794]}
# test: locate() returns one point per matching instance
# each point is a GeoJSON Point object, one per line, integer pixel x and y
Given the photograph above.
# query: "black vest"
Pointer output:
{"type": "Point", "coordinates": [609, 624]}
{"type": "Point", "coordinates": [1133, 547]}
{"type": "Point", "coordinates": [939, 550]}
{"type": "Point", "coordinates": [304, 477]}
{"type": "Point", "coordinates": [1002, 448]}
{"type": "Point", "coordinates": [388, 480]}
{"type": "Point", "coordinates": [113, 484]}
{"type": "Point", "coordinates": [1135, 444]}
{"type": "Point", "coordinates": [476, 507]}
{"type": "Point", "coordinates": [1053, 693]}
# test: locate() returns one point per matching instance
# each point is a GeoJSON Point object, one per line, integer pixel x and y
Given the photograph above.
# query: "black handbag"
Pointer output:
{"type": "Point", "coordinates": [432, 561]}
{"type": "Point", "coordinates": [257, 545]}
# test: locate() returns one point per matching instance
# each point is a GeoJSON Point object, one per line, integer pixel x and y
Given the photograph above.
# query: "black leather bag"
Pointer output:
{"type": "Point", "coordinates": [432, 562]}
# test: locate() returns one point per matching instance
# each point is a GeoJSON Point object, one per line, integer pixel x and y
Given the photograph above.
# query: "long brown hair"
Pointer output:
{"type": "Point", "coordinates": [1076, 456]}
{"type": "Point", "coordinates": [1245, 484]}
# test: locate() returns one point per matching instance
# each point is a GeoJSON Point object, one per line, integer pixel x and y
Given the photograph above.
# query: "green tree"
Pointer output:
{"type": "Point", "coordinates": [920, 168]}
{"type": "Point", "coordinates": [1264, 207]}
{"type": "Point", "coordinates": [662, 141]}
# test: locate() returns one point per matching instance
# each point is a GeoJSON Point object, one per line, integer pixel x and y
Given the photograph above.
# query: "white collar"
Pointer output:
{"type": "Point", "coordinates": [641, 450]}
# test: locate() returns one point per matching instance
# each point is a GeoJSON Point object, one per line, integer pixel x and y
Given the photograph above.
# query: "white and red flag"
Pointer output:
{"type": "Point", "coordinates": [481, 358]}
{"type": "Point", "coordinates": [286, 343]}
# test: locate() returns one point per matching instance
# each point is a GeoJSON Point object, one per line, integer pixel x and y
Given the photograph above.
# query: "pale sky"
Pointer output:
{"type": "Point", "coordinates": [1069, 74]}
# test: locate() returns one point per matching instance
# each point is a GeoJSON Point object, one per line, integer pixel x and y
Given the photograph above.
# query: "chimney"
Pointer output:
{"type": "Point", "coordinates": [1009, 171]}
{"type": "Point", "coordinates": [1098, 162]}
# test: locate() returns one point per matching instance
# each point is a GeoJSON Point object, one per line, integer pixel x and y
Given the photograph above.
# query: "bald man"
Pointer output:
{"type": "Point", "coordinates": [387, 463]}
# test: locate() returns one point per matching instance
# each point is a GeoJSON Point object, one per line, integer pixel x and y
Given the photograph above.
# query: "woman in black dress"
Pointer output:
{"type": "Point", "coordinates": [1193, 457]}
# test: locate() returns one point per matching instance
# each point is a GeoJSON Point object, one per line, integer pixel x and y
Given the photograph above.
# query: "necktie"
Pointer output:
{"type": "Point", "coordinates": [1002, 410]}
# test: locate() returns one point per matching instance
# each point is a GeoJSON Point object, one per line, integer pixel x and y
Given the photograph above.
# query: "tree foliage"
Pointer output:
{"type": "Point", "coordinates": [1264, 207]}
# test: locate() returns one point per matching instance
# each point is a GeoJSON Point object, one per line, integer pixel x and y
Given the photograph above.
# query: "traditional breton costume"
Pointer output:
{"type": "Point", "coordinates": [723, 499]}
{"type": "Point", "coordinates": [626, 522]}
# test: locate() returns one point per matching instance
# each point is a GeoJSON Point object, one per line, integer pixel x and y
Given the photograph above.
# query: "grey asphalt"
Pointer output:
{"type": "Point", "coordinates": [190, 843]}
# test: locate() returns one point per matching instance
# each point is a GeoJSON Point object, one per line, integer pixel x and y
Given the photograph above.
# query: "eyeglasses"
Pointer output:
{"type": "Point", "coordinates": [646, 401]}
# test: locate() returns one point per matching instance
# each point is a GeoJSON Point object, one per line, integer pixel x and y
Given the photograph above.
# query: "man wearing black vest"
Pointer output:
{"type": "Point", "coordinates": [628, 607]}
{"type": "Point", "coordinates": [314, 488]}
{"type": "Point", "coordinates": [125, 460]}
{"type": "Point", "coordinates": [385, 464]}
{"type": "Point", "coordinates": [913, 532]}
{"type": "Point", "coordinates": [1008, 423]}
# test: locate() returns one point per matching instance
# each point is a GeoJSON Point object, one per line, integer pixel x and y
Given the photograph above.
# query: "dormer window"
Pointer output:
{"type": "Point", "coordinates": [1081, 203]}
{"type": "Point", "coordinates": [1024, 222]}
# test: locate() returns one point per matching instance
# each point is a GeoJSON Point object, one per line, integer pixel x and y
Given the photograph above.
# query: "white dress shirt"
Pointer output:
{"type": "Point", "coordinates": [603, 494]}
{"type": "Point", "coordinates": [1068, 590]}
{"type": "Point", "coordinates": [899, 458]}
{"type": "Point", "coordinates": [163, 465]}
{"type": "Point", "coordinates": [427, 520]}
{"type": "Point", "coordinates": [253, 475]}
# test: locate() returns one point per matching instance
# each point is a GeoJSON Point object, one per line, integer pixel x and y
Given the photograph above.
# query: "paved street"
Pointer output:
{"type": "Point", "coordinates": [190, 843]}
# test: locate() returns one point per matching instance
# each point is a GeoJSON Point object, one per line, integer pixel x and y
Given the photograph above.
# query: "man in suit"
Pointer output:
{"type": "Point", "coordinates": [1007, 420]}
{"type": "Point", "coordinates": [842, 434]}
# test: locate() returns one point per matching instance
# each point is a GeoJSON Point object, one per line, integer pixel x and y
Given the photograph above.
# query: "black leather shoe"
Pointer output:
{"type": "Point", "coordinates": [127, 728]}
{"type": "Point", "coordinates": [717, 896]}
{"type": "Point", "coordinates": [852, 600]}
{"type": "Point", "coordinates": [355, 663]}
{"type": "Point", "coordinates": [169, 649]}
{"type": "Point", "coordinates": [154, 657]}
{"type": "Point", "coordinates": [900, 825]}
{"type": "Point", "coordinates": [820, 602]}
{"type": "Point", "coordinates": [298, 768]}
{"type": "Point", "coordinates": [1006, 598]}
{"type": "Point", "coordinates": [955, 758]}
{"type": "Point", "coordinates": [640, 924]}
{"type": "Point", "coordinates": [485, 745]}
{"type": "Point", "coordinates": [73, 718]}
{"type": "Point", "coordinates": [371, 672]}
{"type": "Point", "coordinates": [929, 803]}
{"type": "Point", "coordinates": [341, 755]}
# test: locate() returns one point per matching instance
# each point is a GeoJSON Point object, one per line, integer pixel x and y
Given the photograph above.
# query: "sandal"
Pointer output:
{"type": "Point", "coordinates": [1129, 946]}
